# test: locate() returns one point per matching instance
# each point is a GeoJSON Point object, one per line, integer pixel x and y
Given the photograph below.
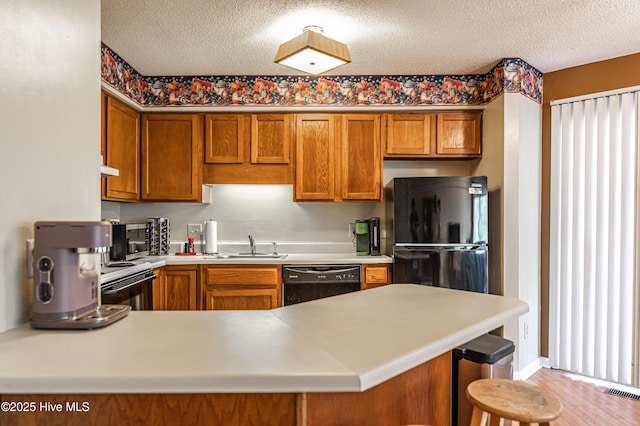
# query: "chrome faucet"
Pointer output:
{"type": "Point", "coordinates": [252, 244]}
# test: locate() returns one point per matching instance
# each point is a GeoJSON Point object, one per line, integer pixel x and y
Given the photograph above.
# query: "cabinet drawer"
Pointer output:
{"type": "Point", "coordinates": [376, 274]}
{"type": "Point", "coordinates": [243, 275]}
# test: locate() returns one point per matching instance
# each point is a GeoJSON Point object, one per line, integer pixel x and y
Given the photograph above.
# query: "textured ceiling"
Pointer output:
{"type": "Point", "coordinates": [388, 37]}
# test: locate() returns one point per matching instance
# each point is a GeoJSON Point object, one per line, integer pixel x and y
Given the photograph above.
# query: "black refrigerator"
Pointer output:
{"type": "Point", "coordinates": [440, 231]}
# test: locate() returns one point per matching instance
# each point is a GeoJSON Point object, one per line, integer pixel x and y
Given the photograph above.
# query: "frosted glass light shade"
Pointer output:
{"type": "Point", "coordinates": [312, 53]}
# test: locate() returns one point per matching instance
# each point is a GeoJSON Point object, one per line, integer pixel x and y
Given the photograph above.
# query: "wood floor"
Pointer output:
{"type": "Point", "coordinates": [586, 403]}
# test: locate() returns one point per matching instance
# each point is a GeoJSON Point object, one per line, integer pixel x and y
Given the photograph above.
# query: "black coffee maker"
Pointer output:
{"type": "Point", "coordinates": [374, 236]}
{"type": "Point", "coordinates": [368, 237]}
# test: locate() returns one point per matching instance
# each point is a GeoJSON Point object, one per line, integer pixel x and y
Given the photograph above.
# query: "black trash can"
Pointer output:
{"type": "Point", "coordinates": [486, 357]}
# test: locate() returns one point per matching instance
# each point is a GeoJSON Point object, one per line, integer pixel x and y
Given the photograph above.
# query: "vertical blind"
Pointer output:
{"type": "Point", "coordinates": [593, 225]}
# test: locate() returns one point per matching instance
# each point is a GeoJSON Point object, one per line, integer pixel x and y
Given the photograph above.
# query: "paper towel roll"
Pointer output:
{"type": "Point", "coordinates": [210, 236]}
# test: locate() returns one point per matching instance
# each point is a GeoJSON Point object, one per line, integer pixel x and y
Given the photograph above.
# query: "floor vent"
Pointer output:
{"type": "Point", "coordinates": [623, 394]}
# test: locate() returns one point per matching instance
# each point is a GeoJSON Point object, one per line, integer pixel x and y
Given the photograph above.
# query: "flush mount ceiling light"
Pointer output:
{"type": "Point", "coordinates": [313, 53]}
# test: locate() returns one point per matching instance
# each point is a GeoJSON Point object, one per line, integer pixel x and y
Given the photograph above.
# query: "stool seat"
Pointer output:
{"type": "Point", "coordinates": [512, 400]}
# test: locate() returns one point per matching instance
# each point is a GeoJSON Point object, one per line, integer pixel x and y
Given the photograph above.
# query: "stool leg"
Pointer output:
{"type": "Point", "coordinates": [478, 417]}
{"type": "Point", "coordinates": [495, 420]}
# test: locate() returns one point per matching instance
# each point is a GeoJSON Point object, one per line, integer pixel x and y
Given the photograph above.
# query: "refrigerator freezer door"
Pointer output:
{"type": "Point", "coordinates": [448, 267]}
{"type": "Point", "coordinates": [440, 210]}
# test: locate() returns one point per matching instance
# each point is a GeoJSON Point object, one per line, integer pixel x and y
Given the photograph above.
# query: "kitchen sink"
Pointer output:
{"type": "Point", "coordinates": [248, 256]}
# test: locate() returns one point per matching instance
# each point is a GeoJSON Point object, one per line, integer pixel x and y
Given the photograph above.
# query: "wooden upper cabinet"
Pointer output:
{"type": "Point", "coordinates": [270, 138]}
{"type": "Point", "coordinates": [455, 134]}
{"type": "Point", "coordinates": [172, 157]}
{"type": "Point", "coordinates": [316, 137]}
{"type": "Point", "coordinates": [409, 135]}
{"type": "Point", "coordinates": [361, 165]}
{"type": "Point", "coordinates": [338, 157]}
{"type": "Point", "coordinates": [121, 150]}
{"type": "Point", "coordinates": [459, 134]}
{"type": "Point", "coordinates": [224, 138]}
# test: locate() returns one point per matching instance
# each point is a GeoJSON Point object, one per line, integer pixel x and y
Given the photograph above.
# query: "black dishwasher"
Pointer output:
{"type": "Point", "coordinates": [302, 283]}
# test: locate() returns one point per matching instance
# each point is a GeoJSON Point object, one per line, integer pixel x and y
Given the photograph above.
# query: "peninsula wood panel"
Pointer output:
{"type": "Point", "coordinates": [459, 134]}
{"type": "Point", "coordinates": [421, 395]}
{"type": "Point", "coordinates": [224, 138]}
{"type": "Point", "coordinates": [121, 150]}
{"type": "Point", "coordinates": [172, 157]}
{"type": "Point", "coordinates": [316, 138]}
{"type": "Point", "coordinates": [270, 138]}
{"type": "Point", "coordinates": [252, 409]}
{"type": "Point", "coordinates": [409, 135]}
{"type": "Point", "coordinates": [361, 165]}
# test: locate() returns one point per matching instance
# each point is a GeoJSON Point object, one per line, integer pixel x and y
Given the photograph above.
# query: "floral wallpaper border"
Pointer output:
{"type": "Point", "coordinates": [510, 75]}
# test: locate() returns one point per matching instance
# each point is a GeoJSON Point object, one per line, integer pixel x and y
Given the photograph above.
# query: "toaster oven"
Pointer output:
{"type": "Point", "coordinates": [129, 242]}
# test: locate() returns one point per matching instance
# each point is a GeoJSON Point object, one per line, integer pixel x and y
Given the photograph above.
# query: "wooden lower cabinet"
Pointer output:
{"type": "Point", "coordinates": [236, 287]}
{"type": "Point", "coordinates": [421, 395]}
{"type": "Point", "coordinates": [375, 275]}
{"type": "Point", "coordinates": [158, 290]}
{"type": "Point", "coordinates": [176, 288]}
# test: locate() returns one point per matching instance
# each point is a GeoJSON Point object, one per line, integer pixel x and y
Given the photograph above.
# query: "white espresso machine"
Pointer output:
{"type": "Point", "coordinates": [66, 276]}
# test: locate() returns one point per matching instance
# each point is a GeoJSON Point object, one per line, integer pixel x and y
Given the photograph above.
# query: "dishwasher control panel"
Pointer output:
{"type": "Point", "coordinates": [304, 274]}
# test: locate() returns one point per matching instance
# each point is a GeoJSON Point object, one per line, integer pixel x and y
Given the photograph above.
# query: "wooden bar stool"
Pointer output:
{"type": "Point", "coordinates": [513, 400]}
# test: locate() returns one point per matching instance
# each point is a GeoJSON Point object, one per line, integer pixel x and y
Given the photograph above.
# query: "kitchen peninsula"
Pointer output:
{"type": "Point", "coordinates": [376, 357]}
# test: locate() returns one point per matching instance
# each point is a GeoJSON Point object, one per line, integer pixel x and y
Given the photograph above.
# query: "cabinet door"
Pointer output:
{"type": "Point", "coordinates": [315, 157]}
{"type": "Point", "coordinates": [361, 162]}
{"type": "Point", "coordinates": [242, 299]}
{"type": "Point", "coordinates": [270, 138]}
{"type": "Point", "coordinates": [459, 134]}
{"type": "Point", "coordinates": [158, 290]}
{"type": "Point", "coordinates": [172, 157]}
{"type": "Point", "coordinates": [409, 135]}
{"type": "Point", "coordinates": [121, 132]}
{"type": "Point", "coordinates": [180, 288]}
{"type": "Point", "coordinates": [224, 138]}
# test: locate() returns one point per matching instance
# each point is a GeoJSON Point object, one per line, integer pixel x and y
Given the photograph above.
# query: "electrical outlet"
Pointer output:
{"type": "Point", "coordinates": [352, 230]}
{"type": "Point", "coordinates": [194, 230]}
{"type": "Point", "coordinates": [525, 330]}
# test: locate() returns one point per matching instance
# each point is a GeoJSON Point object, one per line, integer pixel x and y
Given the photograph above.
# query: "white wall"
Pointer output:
{"type": "Point", "coordinates": [512, 161]}
{"type": "Point", "coordinates": [526, 169]}
{"type": "Point", "coordinates": [49, 131]}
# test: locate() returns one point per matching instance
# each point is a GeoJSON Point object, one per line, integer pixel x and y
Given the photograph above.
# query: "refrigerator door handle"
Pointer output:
{"type": "Point", "coordinates": [448, 247]}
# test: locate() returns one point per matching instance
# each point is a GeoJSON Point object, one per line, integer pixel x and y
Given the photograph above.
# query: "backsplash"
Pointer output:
{"type": "Point", "coordinates": [269, 213]}
{"type": "Point", "coordinates": [510, 75]}
{"type": "Point", "coordinates": [265, 211]}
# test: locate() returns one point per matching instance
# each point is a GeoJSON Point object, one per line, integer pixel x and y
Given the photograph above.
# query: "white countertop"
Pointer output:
{"type": "Point", "coordinates": [299, 258]}
{"type": "Point", "coordinates": [350, 342]}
